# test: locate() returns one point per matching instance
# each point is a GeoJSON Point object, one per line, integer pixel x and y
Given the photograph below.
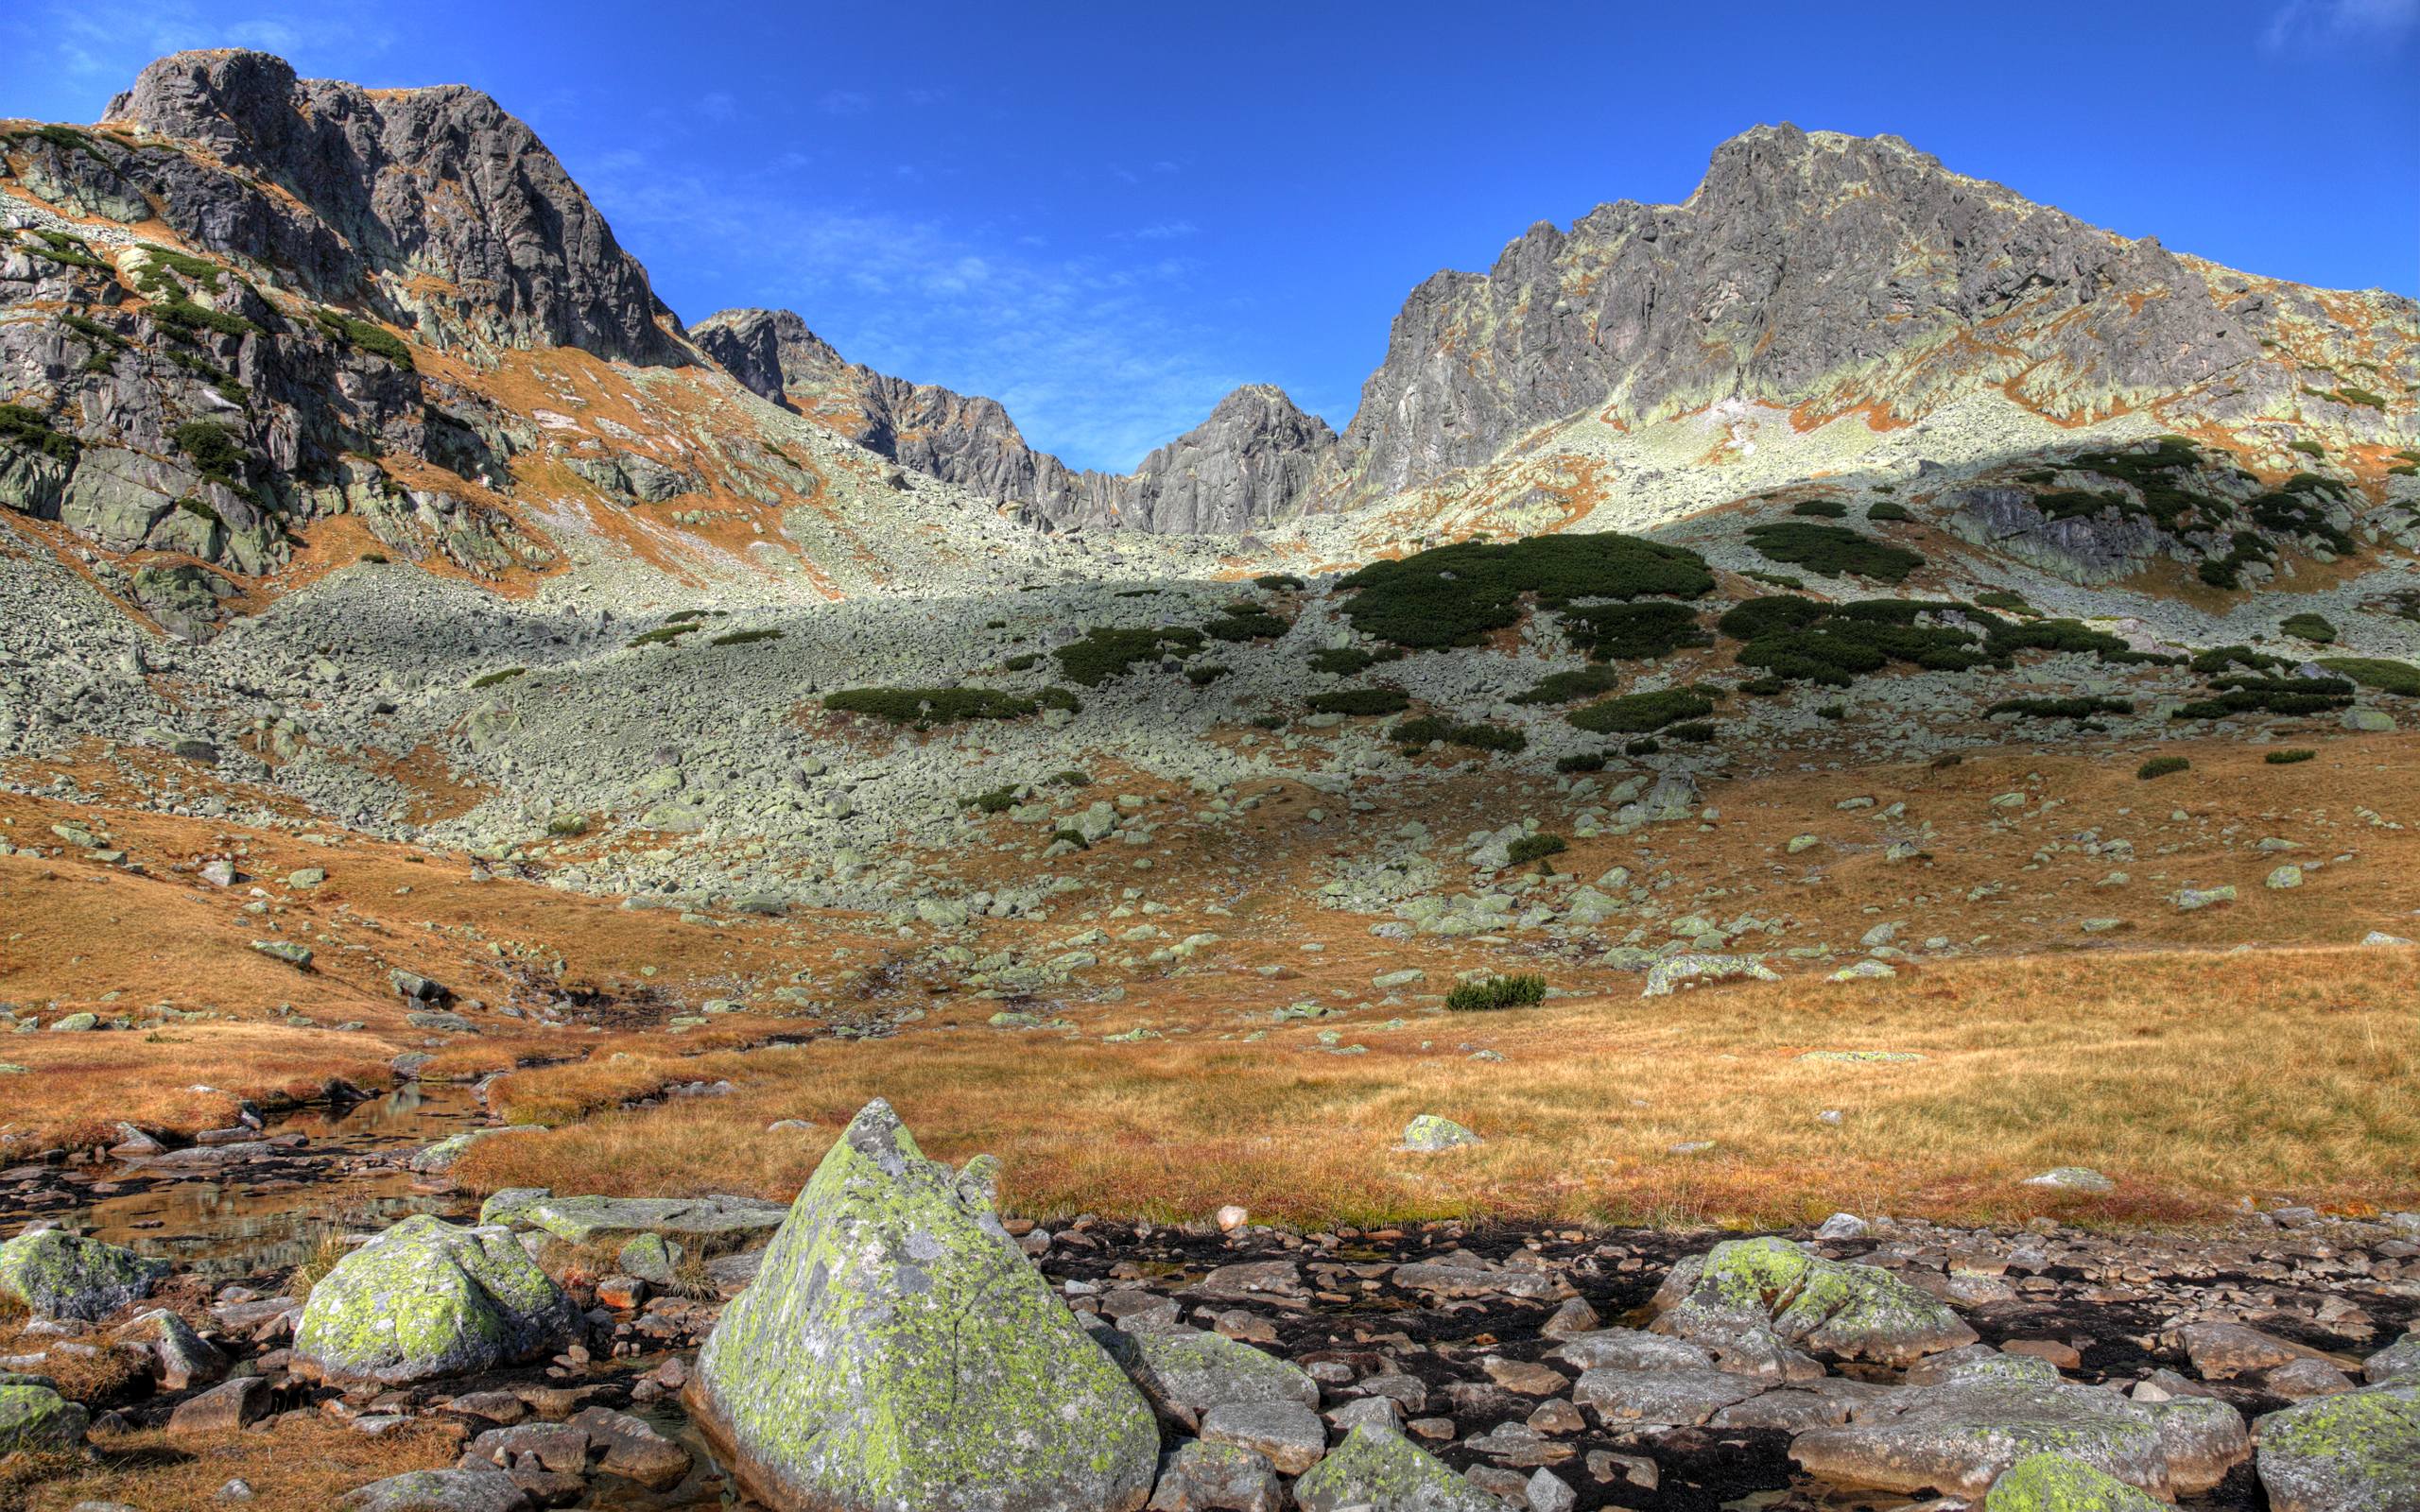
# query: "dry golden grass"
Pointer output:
{"type": "Point", "coordinates": [2195, 1080]}
{"type": "Point", "coordinates": [299, 1467]}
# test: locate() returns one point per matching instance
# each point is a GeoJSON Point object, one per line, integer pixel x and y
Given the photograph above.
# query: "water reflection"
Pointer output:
{"type": "Point", "coordinates": [224, 1225]}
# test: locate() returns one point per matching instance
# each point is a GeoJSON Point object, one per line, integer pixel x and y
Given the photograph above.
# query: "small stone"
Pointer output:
{"type": "Point", "coordinates": [2072, 1178]}
{"type": "Point", "coordinates": [1429, 1133]}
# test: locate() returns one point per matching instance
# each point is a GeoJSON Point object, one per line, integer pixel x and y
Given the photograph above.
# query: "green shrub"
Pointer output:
{"type": "Point", "coordinates": [1821, 508]}
{"type": "Point", "coordinates": [1068, 779]}
{"type": "Point", "coordinates": [998, 801]}
{"type": "Point", "coordinates": [1630, 632]}
{"type": "Point", "coordinates": [1562, 687]}
{"type": "Point", "coordinates": [1060, 698]}
{"type": "Point", "coordinates": [2002, 599]}
{"type": "Point", "coordinates": [1884, 510]}
{"type": "Point", "coordinates": [1269, 722]}
{"type": "Point", "coordinates": [1764, 687]}
{"type": "Point", "coordinates": [2307, 448]}
{"type": "Point", "coordinates": [375, 339]}
{"type": "Point", "coordinates": [1253, 626]}
{"type": "Point", "coordinates": [2288, 757]}
{"type": "Point", "coordinates": [2076, 708]}
{"type": "Point", "coordinates": [2218, 659]}
{"type": "Point", "coordinates": [1639, 712]}
{"type": "Point", "coordinates": [929, 706]}
{"type": "Point", "coordinates": [1203, 674]}
{"type": "Point", "coordinates": [1754, 617]}
{"type": "Point", "coordinates": [1851, 640]}
{"type": "Point", "coordinates": [1534, 848]}
{"type": "Point", "coordinates": [1645, 746]}
{"type": "Point", "coordinates": [1774, 580]}
{"type": "Point", "coordinates": [1105, 653]}
{"type": "Point", "coordinates": [1591, 762]}
{"type": "Point", "coordinates": [73, 251]}
{"type": "Point", "coordinates": [182, 314]}
{"type": "Point", "coordinates": [563, 826]}
{"type": "Point", "coordinates": [1416, 732]}
{"type": "Point", "coordinates": [2270, 695]}
{"type": "Point", "coordinates": [1347, 659]}
{"type": "Point", "coordinates": [746, 637]}
{"type": "Point", "coordinates": [679, 615]}
{"type": "Point", "coordinates": [93, 331]}
{"type": "Point", "coordinates": [213, 447]}
{"type": "Point", "coordinates": [664, 634]}
{"type": "Point", "coordinates": [1834, 711]}
{"type": "Point", "coordinates": [1497, 993]}
{"type": "Point", "coordinates": [2162, 766]}
{"type": "Point", "coordinates": [2313, 628]}
{"type": "Point", "coordinates": [1833, 550]}
{"type": "Point", "coordinates": [500, 675]}
{"type": "Point", "coordinates": [2377, 672]}
{"type": "Point", "coordinates": [1022, 661]}
{"type": "Point", "coordinates": [1696, 731]}
{"type": "Point", "coordinates": [1360, 702]}
{"type": "Point", "coordinates": [1074, 838]}
{"type": "Point", "coordinates": [162, 261]}
{"type": "Point", "coordinates": [1453, 596]}
{"type": "Point", "coordinates": [30, 428]}
{"type": "Point", "coordinates": [1277, 582]}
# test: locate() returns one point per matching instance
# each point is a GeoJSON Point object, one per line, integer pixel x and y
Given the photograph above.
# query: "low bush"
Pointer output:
{"type": "Point", "coordinates": [501, 675]}
{"type": "Point", "coordinates": [2288, 757]}
{"type": "Point", "coordinates": [1205, 674]}
{"type": "Point", "coordinates": [1534, 848]}
{"type": "Point", "coordinates": [998, 801]}
{"type": "Point", "coordinates": [214, 449]}
{"type": "Point", "coordinates": [1495, 993]}
{"type": "Point", "coordinates": [2313, 628]}
{"type": "Point", "coordinates": [1641, 713]}
{"type": "Point", "coordinates": [2270, 695]}
{"type": "Point", "coordinates": [1022, 661]}
{"type": "Point", "coordinates": [1885, 511]}
{"type": "Point", "coordinates": [1591, 762]}
{"type": "Point", "coordinates": [1254, 625]}
{"type": "Point", "coordinates": [1277, 582]}
{"type": "Point", "coordinates": [1833, 550]}
{"type": "Point", "coordinates": [929, 706]}
{"type": "Point", "coordinates": [1360, 702]}
{"type": "Point", "coordinates": [1453, 596]}
{"type": "Point", "coordinates": [746, 637]}
{"type": "Point", "coordinates": [375, 339]}
{"type": "Point", "coordinates": [2162, 766]}
{"type": "Point", "coordinates": [1068, 779]}
{"type": "Point", "coordinates": [1105, 653]}
{"type": "Point", "coordinates": [2000, 598]}
{"type": "Point", "coordinates": [1417, 732]}
{"type": "Point", "coordinates": [2076, 708]}
{"type": "Point", "coordinates": [1695, 731]}
{"type": "Point", "coordinates": [666, 634]}
{"type": "Point", "coordinates": [1821, 508]}
{"type": "Point", "coordinates": [30, 429]}
{"type": "Point", "coordinates": [1345, 660]}
{"type": "Point", "coordinates": [2307, 448]}
{"type": "Point", "coordinates": [1646, 746]}
{"type": "Point", "coordinates": [1630, 632]}
{"type": "Point", "coordinates": [2377, 672]}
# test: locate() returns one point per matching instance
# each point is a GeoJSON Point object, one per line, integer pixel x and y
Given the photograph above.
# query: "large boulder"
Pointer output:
{"type": "Point", "coordinates": [470, 1489]}
{"type": "Point", "coordinates": [2055, 1482]}
{"type": "Point", "coordinates": [1753, 1301]}
{"type": "Point", "coordinates": [59, 1275]}
{"type": "Point", "coordinates": [1379, 1469]}
{"type": "Point", "coordinates": [1961, 1432]}
{"type": "Point", "coordinates": [427, 1298]}
{"type": "Point", "coordinates": [2358, 1451]}
{"type": "Point", "coordinates": [33, 1415]}
{"type": "Point", "coordinates": [898, 1353]}
{"type": "Point", "coordinates": [1187, 1372]}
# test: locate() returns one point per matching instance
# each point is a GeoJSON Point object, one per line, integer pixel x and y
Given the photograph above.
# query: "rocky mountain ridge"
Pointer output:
{"type": "Point", "coordinates": [1240, 468]}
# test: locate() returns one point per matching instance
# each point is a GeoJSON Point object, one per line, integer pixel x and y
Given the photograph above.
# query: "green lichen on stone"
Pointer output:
{"type": "Point", "coordinates": [1379, 1467]}
{"type": "Point", "coordinates": [898, 1351]}
{"type": "Point", "coordinates": [1187, 1372]}
{"type": "Point", "coordinates": [62, 1275]}
{"type": "Point", "coordinates": [426, 1300]}
{"type": "Point", "coordinates": [1823, 1306]}
{"type": "Point", "coordinates": [2053, 1482]}
{"type": "Point", "coordinates": [1428, 1132]}
{"type": "Point", "coordinates": [35, 1416]}
{"type": "Point", "coordinates": [2358, 1451]}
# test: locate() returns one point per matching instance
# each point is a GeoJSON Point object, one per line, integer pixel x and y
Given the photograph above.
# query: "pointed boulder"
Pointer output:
{"type": "Point", "coordinates": [897, 1352]}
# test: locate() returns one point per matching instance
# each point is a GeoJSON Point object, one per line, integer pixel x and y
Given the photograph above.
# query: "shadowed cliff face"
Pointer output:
{"type": "Point", "coordinates": [1242, 466]}
{"type": "Point", "coordinates": [455, 209]}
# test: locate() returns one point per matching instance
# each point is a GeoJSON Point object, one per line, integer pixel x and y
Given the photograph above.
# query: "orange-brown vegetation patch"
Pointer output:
{"type": "Point", "coordinates": [299, 1466]}
{"type": "Point", "coordinates": [2162, 1070]}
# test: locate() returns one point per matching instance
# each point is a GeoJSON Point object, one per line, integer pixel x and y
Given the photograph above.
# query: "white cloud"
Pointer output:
{"type": "Point", "coordinates": [719, 106]}
{"type": "Point", "coordinates": [846, 102]}
{"type": "Point", "coordinates": [107, 46]}
{"type": "Point", "coordinates": [1166, 230]}
{"type": "Point", "coordinates": [1098, 359]}
{"type": "Point", "coordinates": [2299, 25]}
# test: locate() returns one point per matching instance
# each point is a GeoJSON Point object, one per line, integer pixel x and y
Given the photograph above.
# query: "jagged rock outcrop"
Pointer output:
{"type": "Point", "coordinates": [465, 218]}
{"type": "Point", "coordinates": [1241, 468]}
{"type": "Point", "coordinates": [1834, 273]}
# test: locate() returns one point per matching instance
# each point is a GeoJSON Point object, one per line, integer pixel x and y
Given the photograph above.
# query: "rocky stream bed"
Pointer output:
{"type": "Point", "coordinates": [891, 1342]}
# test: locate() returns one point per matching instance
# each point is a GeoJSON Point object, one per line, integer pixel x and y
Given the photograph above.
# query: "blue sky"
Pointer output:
{"type": "Point", "coordinates": [1107, 216]}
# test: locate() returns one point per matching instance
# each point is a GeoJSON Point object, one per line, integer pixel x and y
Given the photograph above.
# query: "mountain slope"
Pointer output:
{"type": "Point", "coordinates": [1239, 469]}
{"type": "Point", "coordinates": [1828, 275]}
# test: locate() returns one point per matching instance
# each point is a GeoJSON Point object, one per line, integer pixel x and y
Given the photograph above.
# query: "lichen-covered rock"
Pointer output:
{"type": "Point", "coordinates": [62, 1275]}
{"type": "Point", "coordinates": [2396, 1362]}
{"type": "Point", "coordinates": [2055, 1482]}
{"type": "Point", "coordinates": [898, 1353]}
{"type": "Point", "coordinates": [477, 1488]}
{"type": "Point", "coordinates": [587, 1220]}
{"type": "Point", "coordinates": [1959, 1433]}
{"type": "Point", "coordinates": [427, 1298]}
{"type": "Point", "coordinates": [1746, 1292]}
{"type": "Point", "coordinates": [1428, 1133]}
{"type": "Point", "coordinates": [2358, 1452]}
{"type": "Point", "coordinates": [32, 1416]}
{"type": "Point", "coordinates": [1185, 1372]}
{"type": "Point", "coordinates": [1382, 1470]}
{"type": "Point", "coordinates": [1203, 1477]}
